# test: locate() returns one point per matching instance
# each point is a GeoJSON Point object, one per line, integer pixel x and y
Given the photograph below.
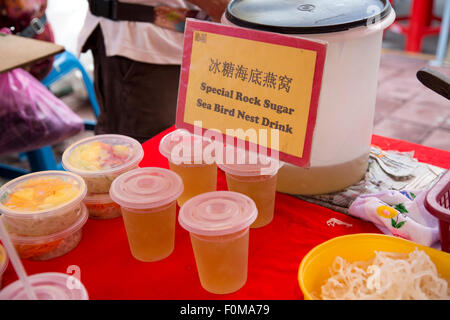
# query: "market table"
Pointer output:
{"type": "Point", "coordinates": [108, 270]}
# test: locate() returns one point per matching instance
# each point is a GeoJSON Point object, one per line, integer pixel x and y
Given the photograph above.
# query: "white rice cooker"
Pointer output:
{"type": "Point", "coordinates": [342, 135]}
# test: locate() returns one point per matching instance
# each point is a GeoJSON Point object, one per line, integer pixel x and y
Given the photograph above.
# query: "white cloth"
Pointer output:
{"type": "Point", "coordinates": [139, 41]}
{"type": "Point", "coordinates": [399, 213]}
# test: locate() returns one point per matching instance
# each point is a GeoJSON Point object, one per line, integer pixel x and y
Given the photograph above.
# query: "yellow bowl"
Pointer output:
{"type": "Point", "coordinates": [314, 268]}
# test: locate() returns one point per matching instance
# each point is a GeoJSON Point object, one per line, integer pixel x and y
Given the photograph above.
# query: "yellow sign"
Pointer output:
{"type": "Point", "coordinates": [251, 82]}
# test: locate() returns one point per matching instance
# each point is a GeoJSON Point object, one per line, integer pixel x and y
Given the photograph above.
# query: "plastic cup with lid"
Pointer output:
{"type": "Point", "coordinates": [254, 175]}
{"type": "Point", "coordinates": [218, 223]}
{"type": "Point", "coordinates": [47, 286]}
{"type": "Point", "coordinates": [186, 156]}
{"type": "Point", "coordinates": [101, 206]}
{"type": "Point", "coordinates": [52, 245]}
{"type": "Point", "coordinates": [102, 158]}
{"type": "Point", "coordinates": [42, 203]}
{"type": "Point", "coordinates": [3, 263]}
{"type": "Point", "coordinates": [147, 197]}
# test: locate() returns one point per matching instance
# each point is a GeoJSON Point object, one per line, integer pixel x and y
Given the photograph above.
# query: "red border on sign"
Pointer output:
{"type": "Point", "coordinates": [262, 36]}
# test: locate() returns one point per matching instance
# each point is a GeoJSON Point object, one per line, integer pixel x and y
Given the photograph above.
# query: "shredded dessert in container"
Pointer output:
{"type": "Point", "coordinates": [52, 245]}
{"type": "Point", "coordinates": [101, 206]}
{"type": "Point", "coordinates": [97, 156]}
{"type": "Point", "coordinates": [102, 158]}
{"type": "Point", "coordinates": [388, 276]}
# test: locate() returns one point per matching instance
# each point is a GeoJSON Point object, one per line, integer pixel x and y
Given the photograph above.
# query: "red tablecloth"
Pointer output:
{"type": "Point", "coordinates": [110, 272]}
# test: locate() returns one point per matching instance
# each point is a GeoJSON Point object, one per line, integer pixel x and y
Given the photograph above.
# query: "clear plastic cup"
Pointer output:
{"type": "Point", "coordinates": [218, 223]}
{"type": "Point", "coordinates": [255, 176]}
{"type": "Point", "coordinates": [101, 206]}
{"type": "Point", "coordinates": [42, 203]}
{"type": "Point", "coordinates": [100, 159]}
{"type": "Point", "coordinates": [3, 263]}
{"type": "Point", "coordinates": [199, 174]}
{"type": "Point", "coordinates": [53, 245]}
{"type": "Point", "coordinates": [47, 286]}
{"type": "Point", "coordinates": [147, 197]}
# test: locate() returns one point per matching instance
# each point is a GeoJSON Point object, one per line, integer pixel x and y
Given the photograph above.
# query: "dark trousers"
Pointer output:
{"type": "Point", "coordinates": [136, 99]}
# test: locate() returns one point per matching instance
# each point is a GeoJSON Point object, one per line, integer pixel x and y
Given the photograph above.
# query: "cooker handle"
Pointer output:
{"type": "Point", "coordinates": [434, 80]}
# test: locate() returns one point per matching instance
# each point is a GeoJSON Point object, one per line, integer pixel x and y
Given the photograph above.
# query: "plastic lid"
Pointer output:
{"type": "Point", "coordinates": [241, 162]}
{"type": "Point", "coordinates": [3, 260]}
{"type": "Point", "coordinates": [47, 286]}
{"type": "Point", "coordinates": [97, 198]}
{"type": "Point", "coordinates": [181, 146]}
{"type": "Point", "coordinates": [77, 225]}
{"type": "Point", "coordinates": [146, 188]}
{"type": "Point", "coordinates": [102, 154]}
{"type": "Point", "coordinates": [41, 193]}
{"type": "Point", "coordinates": [217, 213]}
{"type": "Point", "coordinates": [306, 16]}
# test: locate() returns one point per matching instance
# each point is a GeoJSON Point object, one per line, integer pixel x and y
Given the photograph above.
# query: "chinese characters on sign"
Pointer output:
{"type": "Point", "coordinates": [254, 76]}
{"type": "Point", "coordinates": [246, 83]}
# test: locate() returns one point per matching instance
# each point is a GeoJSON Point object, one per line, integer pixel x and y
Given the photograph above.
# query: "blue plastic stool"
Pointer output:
{"type": "Point", "coordinates": [64, 63]}
{"type": "Point", "coordinates": [40, 159]}
{"type": "Point", "coordinates": [44, 158]}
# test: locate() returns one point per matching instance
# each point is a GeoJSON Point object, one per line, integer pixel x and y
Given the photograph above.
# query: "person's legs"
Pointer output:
{"type": "Point", "coordinates": [136, 99]}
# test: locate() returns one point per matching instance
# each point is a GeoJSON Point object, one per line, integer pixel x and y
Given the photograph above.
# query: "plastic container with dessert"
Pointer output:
{"type": "Point", "coordinates": [3, 263]}
{"type": "Point", "coordinates": [52, 245]}
{"type": "Point", "coordinates": [102, 158]}
{"type": "Point", "coordinates": [42, 203]}
{"type": "Point", "coordinates": [101, 206]}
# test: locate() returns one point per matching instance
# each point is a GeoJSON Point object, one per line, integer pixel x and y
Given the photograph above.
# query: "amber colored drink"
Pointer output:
{"type": "Point", "coordinates": [197, 179]}
{"type": "Point", "coordinates": [260, 189]}
{"type": "Point", "coordinates": [150, 232]}
{"type": "Point", "coordinates": [222, 261]}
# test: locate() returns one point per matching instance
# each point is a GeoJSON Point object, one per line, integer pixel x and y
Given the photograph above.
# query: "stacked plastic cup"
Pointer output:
{"type": "Point", "coordinates": [99, 160]}
{"type": "Point", "coordinates": [47, 286]}
{"type": "Point", "coordinates": [218, 223]}
{"type": "Point", "coordinates": [255, 176]}
{"type": "Point", "coordinates": [3, 263]}
{"type": "Point", "coordinates": [147, 197]}
{"type": "Point", "coordinates": [44, 213]}
{"type": "Point", "coordinates": [187, 157]}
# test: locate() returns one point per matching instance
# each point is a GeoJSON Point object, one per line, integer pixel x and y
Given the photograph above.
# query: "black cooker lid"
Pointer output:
{"type": "Point", "coordinates": [306, 16]}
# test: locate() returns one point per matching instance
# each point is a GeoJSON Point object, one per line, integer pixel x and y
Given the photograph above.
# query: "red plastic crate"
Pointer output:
{"type": "Point", "coordinates": [437, 203]}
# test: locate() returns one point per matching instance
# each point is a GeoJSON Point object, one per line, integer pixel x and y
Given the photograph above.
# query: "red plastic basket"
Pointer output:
{"type": "Point", "coordinates": [437, 203]}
